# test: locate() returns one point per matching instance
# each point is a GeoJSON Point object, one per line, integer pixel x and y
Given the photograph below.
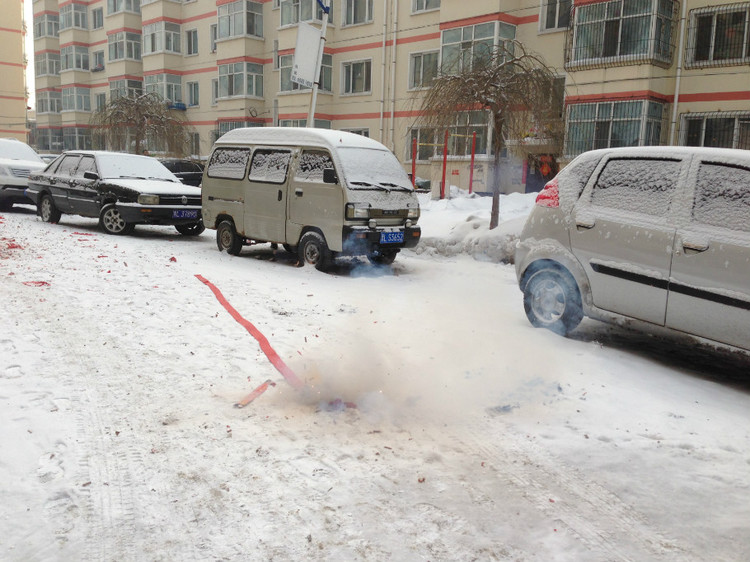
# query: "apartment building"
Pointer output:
{"type": "Point", "coordinates": [13, 96]}
{"type": "Point", "coordinates": [634, 71]}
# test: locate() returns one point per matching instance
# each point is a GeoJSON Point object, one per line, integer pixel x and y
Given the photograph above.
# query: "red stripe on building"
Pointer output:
{"type": "Point", "coordinates": [715, 96]}
{"type": "Point", "coordinates": [245, 59]}
{"type": "Point", "coordinates": [500, 16]}
{"type": "Point", "coordinates": [620, 96]}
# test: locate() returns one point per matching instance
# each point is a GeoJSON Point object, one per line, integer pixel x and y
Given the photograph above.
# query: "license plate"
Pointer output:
{"type": "Point", "coordinates": [185, 214]}
{"type": "Point", "coordinates": [392, 237]}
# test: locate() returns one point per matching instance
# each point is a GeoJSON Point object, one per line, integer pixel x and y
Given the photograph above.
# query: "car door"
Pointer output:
{"type": "Point", "coordinates": [709, 292]}
{"type": "Point", "coordinates": [622, 234]}
{"type": "Point", "coordinates": [312, 201]}
{"type": "Point", "coordinates": [59, 183]}
{"type": "Point", "coordinates": [82, 193]}
{"type": "Point", "coordinates": [265, 194]}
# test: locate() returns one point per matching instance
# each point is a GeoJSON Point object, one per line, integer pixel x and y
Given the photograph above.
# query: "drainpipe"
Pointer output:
{"type": "Point", "coordinates": [675, 101]}
{"type": "Point", "coordinates": [394, 36]}
{"type": "Point", "coordinates": [382, 72]}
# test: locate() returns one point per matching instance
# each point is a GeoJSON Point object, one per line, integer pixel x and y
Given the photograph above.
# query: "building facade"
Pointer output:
{"type": "Point", "coordinates": [634, 71]}
{"type": "Point", "coordinates": [13, 95]}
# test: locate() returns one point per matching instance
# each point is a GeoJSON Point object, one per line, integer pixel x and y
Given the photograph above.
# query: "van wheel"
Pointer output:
{"type": "Point", "coordinates": [192, 229]}
{"type": "Point", "coordinates": [228, 239]}
{"type": "Point", "coordinates": [552, 300]}
{"type": "Point", "coordinates": [383, 257]}
{"type": "Point", "coordinates": [111, 221]}
{"type": "Point", "coordinates": [314, 250]}
{"type": "Point", "coordinates": [48, 210]}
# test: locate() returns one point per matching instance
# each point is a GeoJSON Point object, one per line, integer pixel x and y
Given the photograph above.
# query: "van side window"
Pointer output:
{"type": "Point", "coordinates": [637, 185]}
{"type": "Point", "coordinates": [722, 197]}
{"type": "Point", "coordinates": [311, 165]}
{"type": "Point", "coordinates": [228, 163]}
{"type": "Point", "coordinates": [269, 165]}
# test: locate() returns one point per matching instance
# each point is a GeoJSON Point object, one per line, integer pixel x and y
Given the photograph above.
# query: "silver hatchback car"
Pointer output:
{"type": "Point", "coordinates": [647, 236]}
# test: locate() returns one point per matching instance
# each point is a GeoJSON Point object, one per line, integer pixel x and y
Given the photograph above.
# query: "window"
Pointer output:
{"type": "Point", "coordinates": [161, 36]}
{"type": "Point", "coordinates": [357, 77]}
{"type": "Point", "coordinates": [46, 25]}
{"type": "Point", "coordinates": [48, 101]}
{"type": "Point", "coordinates": [214, 30]}
{"type": "Point", "coordinates": [47, 64]}
{"type": "Point", "coordinates": [269, 165]}
{"type": "Point", "coordinates": [97, 18]}
{"type": "Point", "coordinates": [461, 46]}
{"type": "Point", "coordinates": [719, 35]}
{"type": "Point", "coordinates": [424, 5]}
{"type": "Point", "coordinates": [285, 68]}
{"type": "Point", "coordinates": [229, 163]}
{"type": "Point", "coordinates": [129, 88]}
{"type": "Point", "coordinates": [240, 18]}
{"type": "Point", "coordinates": [632, 28]}
{"type": "Point", "coordinates": [214, 90]}
{"type": "Point", "coordinates": [423, 68]}
{"type": "Point", "coordinates": [115, 6]}
{"type": "Point", "coordinates": [362, 132]}
{"type": "Point", "coordinates": [76, 138]}
{"type": "Point", "coordinates": [357, 11]}
{"type": "Point", "coordinates": [193, 94]}
{"type": "Point", "coordinates": [49, 139]}
{"type": "Point", "coordinates": [637, 185]}
{"type": "Point", "coordinates": [319, 123]}
{"type": "Point", "coordinates": [76, 99]}
{"type": "Point", "coordinates": [311, 165]}
{"type": "Point", "coordinates": [191, 42]}
{"type": "Point", "coordinates": [240, 79]}
{"type": "Point", "coordinates": [293, 11]}
{"type": "Point", "coordinates": [124, 45]}
{"type": "Point", "coordinates": [97, 61]}
{"type": "Point", "coordinates": [195, 144]}
{"type": "Point", "coordinates": [555, 14]}
{"type": "Point", "coordinates": [722, 197]}
{"type": "Point", "coordinates": [73, 15]}
{"type": "Point", "coordinates": [74, 57]}
{"type": "Point", "coordinates": [612, 124]}
{"type": "Point", "coordinates": [100, 100]}
{"type": "Point", "coordinates": [430, 142]}
{"type": "Point", "coordinates": [723, 130]}
{"type": "Point", "coordinates": [168, 86]}
{"type": "Point", "coordinates": [226, 126]}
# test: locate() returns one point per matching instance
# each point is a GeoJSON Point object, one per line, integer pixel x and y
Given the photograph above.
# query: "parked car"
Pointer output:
{"type": "Point", "coordinates": [122, 190]}
{"type": "Point", "coordinates": [48, 157]}
{"type": "Point", "coordinates": [650, 236]}
{"type": "Point", "coordinates": [187, 171]}
{"type": "Point", "coordinates": [17, 161]}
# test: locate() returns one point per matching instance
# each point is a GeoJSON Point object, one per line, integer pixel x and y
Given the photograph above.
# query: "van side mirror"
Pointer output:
{"type": "Point", "coordinates": [90, 175]}
{"type": "Point", "coordinates": [329, 176]}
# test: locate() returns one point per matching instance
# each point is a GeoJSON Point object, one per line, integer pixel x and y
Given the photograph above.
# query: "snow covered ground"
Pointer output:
{"type": "Point", "coordinates": [474, 436]}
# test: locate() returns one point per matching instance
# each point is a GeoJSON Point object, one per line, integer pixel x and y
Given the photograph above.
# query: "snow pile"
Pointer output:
{"type": "Point", "coordinates": [461, 225]}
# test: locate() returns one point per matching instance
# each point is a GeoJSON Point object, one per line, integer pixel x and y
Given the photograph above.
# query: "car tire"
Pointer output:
{"type": "Point", "coordinates": [552, 300]}
{"type": "Point", "coordinates": [384, 257]}
{"type": "Point", "coordinates": [111, 221]}
{"type": "Point", "coordinates": [192, 229]}
{"type": "Point", "coordinates": [227, 238]}
{"type": "Point", "coordinates": [48, 210]}
{"type": "Point", "coordinates": [313, 250]}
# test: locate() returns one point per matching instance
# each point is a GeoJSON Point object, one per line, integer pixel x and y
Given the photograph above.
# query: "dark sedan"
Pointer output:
{"type": "Point", "coordinates": [187, 171]}
{"type": "Point", "coordinates": [122, 190]}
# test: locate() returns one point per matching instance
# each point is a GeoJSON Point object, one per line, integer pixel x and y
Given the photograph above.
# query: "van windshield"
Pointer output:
{"type": "Point", "coordinates": [368, 168]}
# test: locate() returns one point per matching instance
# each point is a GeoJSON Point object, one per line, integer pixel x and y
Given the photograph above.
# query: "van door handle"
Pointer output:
{"type": "Point", "coordinates": [298, 192]}
{"type": "Point", "coordinates": [280, 195]}
{"type": "Point", "coordinates": [585, 225]}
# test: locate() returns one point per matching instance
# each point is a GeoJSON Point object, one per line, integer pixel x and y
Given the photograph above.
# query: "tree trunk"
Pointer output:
{"type": "Point", "coordinates": [497, 146]}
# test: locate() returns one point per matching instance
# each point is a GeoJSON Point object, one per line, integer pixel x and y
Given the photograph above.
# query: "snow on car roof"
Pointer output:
{"type": "Point", "coordinates": [298, 135]}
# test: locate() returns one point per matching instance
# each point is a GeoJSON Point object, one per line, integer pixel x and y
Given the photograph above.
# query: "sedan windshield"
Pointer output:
{"type": "Point", "coordinates": [368, 168]}
{"type": "Point", "coordinates": [132, 166]}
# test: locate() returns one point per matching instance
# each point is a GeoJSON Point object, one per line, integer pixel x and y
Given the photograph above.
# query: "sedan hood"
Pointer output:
{"type": "Point", "coordinates": [154, 186]}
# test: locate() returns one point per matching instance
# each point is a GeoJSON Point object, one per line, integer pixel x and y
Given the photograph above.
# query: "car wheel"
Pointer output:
{"type": "Point", "coordinates": [552, 300]}
{"type": "Point", "coordinates": [47, 209]}
{"type": "Point", "coordinates": [111, 221]}
{"type": "Point", "coordinates": [228, 239]}
{"type": "Point", "coordinates": [314, 251]}
{"type": "Point", "coordinates": [384, 257]}
{"type": "Point", "coordinates": [192, 229]}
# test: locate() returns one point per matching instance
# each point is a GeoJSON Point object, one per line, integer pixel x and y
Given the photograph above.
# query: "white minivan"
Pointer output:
{"type": "Point", "coordinates": [319, 192]}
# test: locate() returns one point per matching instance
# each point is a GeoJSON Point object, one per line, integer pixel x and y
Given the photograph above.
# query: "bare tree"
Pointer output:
{"type": "Point", "coordinates": [134, 122]}
{"type": "Point", "coordinates": [516, 88]}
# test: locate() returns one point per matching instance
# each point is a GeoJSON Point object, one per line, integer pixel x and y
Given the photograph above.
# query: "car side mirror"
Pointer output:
{"type": "Point", "coordinates": [329, 176]}
{"type": "Point", "coordinates": [90, 175]}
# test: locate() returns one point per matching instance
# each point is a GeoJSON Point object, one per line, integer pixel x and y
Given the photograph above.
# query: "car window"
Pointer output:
{"type": "Point", "coordinates": [637, 185]}
{"type": "Point", "coordinates": [269, 165]}
{"type": "Point", "coordinates": [228, 163]}
{"type": "Point", "coordinates": [67, 165]}
{"type": "Point", "coordinates": [311, 165]}
{"type": "Point", "coordinates": [722, 196]}
{"type": "Point", "coordinates": [578, 172]}
{"type": "Point", "coordinates": [87, 164]}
